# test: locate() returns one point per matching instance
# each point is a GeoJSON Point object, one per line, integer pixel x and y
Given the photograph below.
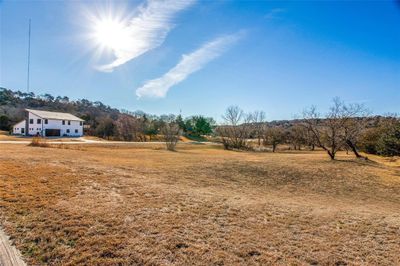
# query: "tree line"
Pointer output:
{"type": "Point", "coordinates": [345, 127]}
{"type": "Point", "coordinates": [348, 127]}
{"type": "Point", "coordinates": [101, 120]}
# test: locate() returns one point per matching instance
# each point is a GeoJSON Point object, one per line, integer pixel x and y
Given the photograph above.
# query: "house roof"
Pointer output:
{"type": "Point", "coordinates": [19, 122]}
{"type": "Point", "coordinates": [54, 115]}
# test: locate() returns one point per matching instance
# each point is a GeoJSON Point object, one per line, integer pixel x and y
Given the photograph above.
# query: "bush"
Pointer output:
{"type": "Point", "coordinates": [383, 139]}
{"type": "Point", "coordinates": [38, 142]}
{"type": "Point", "coordinates": [389, 142]}
{"type": "Point", "coordinates": [369, 140]}
{"type": "Point", "coordinates": [234, 137]}
{"type": "Point", "coordinates": [171, 133]}
{"type": "Point", "coordinates": [237, 129]}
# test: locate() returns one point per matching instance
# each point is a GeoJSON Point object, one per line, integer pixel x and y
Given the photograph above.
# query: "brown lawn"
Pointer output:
{"type": "Point", "coordinates": [4, 135]}
{"type": "Point", "coordinates": [110, 205]}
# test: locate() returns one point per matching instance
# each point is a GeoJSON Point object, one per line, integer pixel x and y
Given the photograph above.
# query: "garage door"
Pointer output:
{"type": "Point", "coordinates": [53, 132]}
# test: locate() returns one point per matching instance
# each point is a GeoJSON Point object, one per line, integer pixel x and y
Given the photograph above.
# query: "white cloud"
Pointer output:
{"type": "Point", "coordinates": [147, 30]}
{"type": "Point", "coordinates": [189, 63]}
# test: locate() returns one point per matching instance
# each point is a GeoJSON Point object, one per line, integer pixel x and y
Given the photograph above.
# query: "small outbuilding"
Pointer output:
{"type": "Point", "coordinates": [19, 128]}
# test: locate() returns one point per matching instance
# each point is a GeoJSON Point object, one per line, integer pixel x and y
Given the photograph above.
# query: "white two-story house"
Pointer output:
{"type": "Point", "coordinates": [49, 124]}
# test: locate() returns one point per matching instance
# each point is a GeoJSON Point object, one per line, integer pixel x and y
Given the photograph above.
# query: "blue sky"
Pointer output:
{"type": "Point", "coordinates": [274, 56]}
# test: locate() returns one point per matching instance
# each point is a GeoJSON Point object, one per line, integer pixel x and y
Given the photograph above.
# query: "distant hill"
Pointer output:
{"type": "Point", "coordinates": [372, 121]}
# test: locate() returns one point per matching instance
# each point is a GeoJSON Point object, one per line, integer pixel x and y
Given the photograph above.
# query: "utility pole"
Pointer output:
{"type": "Point", "coordinates": [29, 54]}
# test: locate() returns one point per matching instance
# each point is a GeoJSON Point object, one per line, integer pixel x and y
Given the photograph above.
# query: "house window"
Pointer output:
{"type": "Point", "coordinates": [76, 131]}
{"type": "Point", "coordinates": [69, 123]}
{"type": "Point", "coordinates": [63, 122]}
{"type": "Point", "coordinates": [80, 123]}
{"type": "Point", "coordinates": [46, 121]}
{"type": "Point", "coordinates": [39, 121]}
{"type": "Point", "coordinates": [30, 121]}
{"type": "Point", "coordinates": [67, 130]}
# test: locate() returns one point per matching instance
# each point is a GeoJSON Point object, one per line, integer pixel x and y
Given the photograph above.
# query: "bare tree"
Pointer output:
{"type": "Point", "coordinates": [325, 131]}
{"type": "Point", "coordinates": [340, 128]}
{"type": "Point", "coordinates": [258, 123]}
{"type": "Point", "coordinates": [310, 139]}
{"type": "Point", "coordinates": [171, 133]}
{"type": "Point", "coordinates": [354, 122]}
{"type": "Point", "coordinates": [125, 127]}
{"type": "Point", "coordinates": [131, 128]}
{"type": "Point", "coordinates": [233, 115]}
{"type": "Point", "coordinates": [297, 136]}
{"type": "Point", "coordinates": [236, 130]}
{"type": "Point", "coordinates": [273, 136]}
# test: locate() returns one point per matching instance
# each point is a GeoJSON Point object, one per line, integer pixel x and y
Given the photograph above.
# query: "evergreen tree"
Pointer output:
{"type": "Point", "coordinates": [389, 142]}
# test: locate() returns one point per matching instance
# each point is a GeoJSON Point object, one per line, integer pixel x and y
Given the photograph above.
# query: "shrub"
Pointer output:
{"type": "Point", "coordinates": [369, 140]}
{"type": "Point", "coordinates": [234, 137]}
{"type": "Point", "coordinates": [236, 130]}
{"type": "Point", "coordinates": [171, 133]}
{"type": "Point", "coordinates": [274, 136]}
{"type": "Point", "coordinates": [38, 142]}
{"type": "Point", "coordinates": [383, 139]}
{"type": "Point", "coordinates": [389, 142]}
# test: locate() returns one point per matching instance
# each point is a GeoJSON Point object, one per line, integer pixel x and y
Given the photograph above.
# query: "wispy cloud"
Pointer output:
{"type": "Point", "coordinates": [189, 63]}
{"type": "Point", "coordinates": [274, 13]}
{"type": "Point", "coordinates": [147, 30]}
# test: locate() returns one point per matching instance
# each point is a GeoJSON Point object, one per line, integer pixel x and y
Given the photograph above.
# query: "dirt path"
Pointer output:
{"type": "Point", "coordinates": [9, 255]}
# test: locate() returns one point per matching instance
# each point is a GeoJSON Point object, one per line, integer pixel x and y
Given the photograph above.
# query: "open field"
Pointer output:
{"type": "Point", "coordinates": [5, 136]}
{"type": "Point", "coordinates": [124, 205]}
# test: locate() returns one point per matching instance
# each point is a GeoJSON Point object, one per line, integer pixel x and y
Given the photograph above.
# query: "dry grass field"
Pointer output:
{"type": "Point", "coordinates": [4, 135]}
{"type": "Point", "coordinates": [124, 205]}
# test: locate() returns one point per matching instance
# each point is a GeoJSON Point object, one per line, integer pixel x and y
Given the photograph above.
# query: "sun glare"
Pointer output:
{"type": "Point", "coordinates": [110, 33]}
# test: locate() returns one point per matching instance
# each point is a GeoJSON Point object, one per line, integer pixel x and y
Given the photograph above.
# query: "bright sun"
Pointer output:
{"type": "Point", "coordinates": [110, 33]}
